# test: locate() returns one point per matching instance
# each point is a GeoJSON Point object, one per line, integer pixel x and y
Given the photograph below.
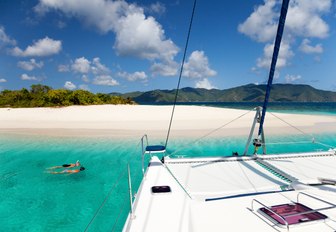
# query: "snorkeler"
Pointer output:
{"type": "Point", "coordinates": [77, 164]}
{"type": "Point", "coordinates": [69, 171]}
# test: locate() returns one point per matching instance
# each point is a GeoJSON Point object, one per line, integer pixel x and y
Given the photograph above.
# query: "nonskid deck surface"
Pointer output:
{"type": "Point", "coordinates": [209, 194]}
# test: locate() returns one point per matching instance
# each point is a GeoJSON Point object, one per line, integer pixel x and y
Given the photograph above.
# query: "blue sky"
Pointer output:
{"type": "Point", "coordinates": [123, 46]}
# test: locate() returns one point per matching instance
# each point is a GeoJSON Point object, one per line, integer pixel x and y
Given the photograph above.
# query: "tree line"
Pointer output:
{"type": "Point", "coordinates": [45, 96]}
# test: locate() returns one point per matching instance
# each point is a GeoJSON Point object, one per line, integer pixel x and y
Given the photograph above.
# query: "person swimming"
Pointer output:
{"type": "Point", "coordinates": [77, 164]}
{"type": "Point", "coordinates": [69, 171]}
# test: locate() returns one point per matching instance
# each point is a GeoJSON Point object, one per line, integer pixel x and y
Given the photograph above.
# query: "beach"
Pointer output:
{"type": "Point", "coordinates": [136, 120]}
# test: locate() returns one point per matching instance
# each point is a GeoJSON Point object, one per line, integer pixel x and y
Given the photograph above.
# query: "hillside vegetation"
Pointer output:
{"type": "Point", "coordinates": [44, 96]}
{"type": "Point", "coordinates": [246, 93]}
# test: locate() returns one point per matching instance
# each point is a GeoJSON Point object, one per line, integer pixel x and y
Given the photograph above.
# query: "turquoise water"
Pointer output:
{"type": "Point", "coordinates": [32, 200]}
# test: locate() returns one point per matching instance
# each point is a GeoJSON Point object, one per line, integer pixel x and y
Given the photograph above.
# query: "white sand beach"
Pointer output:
{"type": "Point", "coordinates": [136, 120]}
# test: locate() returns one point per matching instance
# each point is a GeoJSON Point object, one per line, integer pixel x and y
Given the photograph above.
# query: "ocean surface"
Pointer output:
{"type": "Point", "coordinates": [33, 200]}
{"type": "Point", "coordinates": [324, 108]}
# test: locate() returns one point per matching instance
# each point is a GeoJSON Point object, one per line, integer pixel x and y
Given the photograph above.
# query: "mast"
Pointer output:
{"type": "Point", "coordinates": [276, 49]}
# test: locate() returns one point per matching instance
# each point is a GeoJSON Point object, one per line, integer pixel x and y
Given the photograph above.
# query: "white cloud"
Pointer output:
{"type": "Point", "coordinates": [205, 84]}
{"type": "Point", "coordinates": [43, 47]}
{"type": "Point", "coordinates": [85, 78]}
{"type": "Point", "coordinates": [26, 77]}
{"type": "Point", "coordinates": [133, 76]}
{"type": "Point", "coordinates": [105, 80]}
{"type": "Point", "coordinates": [169, 68]}
{"type": "Point", "coordinates": [144, 38]}
{"type": "Point", "coordinates": [63, 68]}
{"type": "Point", "coordinates": [4, 38]}
{"type": "Point", "coordinates": [136, 34]}
{"type": "Point", "coordinates": [2, 80]}
{"type": "Point", "coordinates": [303, 19]}
{"type": "Point", "coordinates": [84, 87]}
{"type": "Point", "coordinates": [158, 8]}
{"type": "Point", "coordinates": [292, 78]}
{"type": "Point", "coordinates": [197, 66]}
{"type": "Point", "coordinates": [98, 68]}
{"type": "Point", "coordinates": [69, 85]}
{"type": "Point", "coordinates": [285, 53]}
{"type": "Point", "coordinates": [261, 24]}
{"type": "Point", "coordinates": [307, 48]}
{"type": "Point", "coordinates": [30, 65]}
{"type": "Point", "coordinates": [81, 65]}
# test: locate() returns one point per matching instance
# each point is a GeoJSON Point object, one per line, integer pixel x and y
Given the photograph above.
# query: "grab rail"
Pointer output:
{"type": "Point", "coordinates": [143, 151]}
{"type": "Point", "coordinates": [268, 208]}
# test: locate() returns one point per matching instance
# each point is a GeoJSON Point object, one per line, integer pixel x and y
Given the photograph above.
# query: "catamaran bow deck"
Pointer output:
{"type": "Point", "coordinates": [227, 193]}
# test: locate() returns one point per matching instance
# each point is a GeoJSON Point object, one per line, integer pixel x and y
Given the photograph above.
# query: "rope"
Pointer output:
{"type": "Point", "coordinates": [181, 71]}
{"type": "Point", "coordinates": [213, 131]}
{"type": "Point", "coordinates": [119, 214]}
{"type": "Point", "coordinates": [292, 126]}
{"type": "Point", "coordinates": [122, 174]}
{"type": "Point", "coordinates": [311, 135]}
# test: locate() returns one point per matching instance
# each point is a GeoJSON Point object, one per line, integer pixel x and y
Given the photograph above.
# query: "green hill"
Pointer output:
{"type": "Point", "coordinates": [246, 93]}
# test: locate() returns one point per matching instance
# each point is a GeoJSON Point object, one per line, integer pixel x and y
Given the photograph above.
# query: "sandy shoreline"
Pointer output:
{"type": "Point", "coordinates": [134, 121]}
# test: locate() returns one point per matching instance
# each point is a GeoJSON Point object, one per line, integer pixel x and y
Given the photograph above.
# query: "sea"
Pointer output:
{"type": "Point", "coordinates": [97, 199]}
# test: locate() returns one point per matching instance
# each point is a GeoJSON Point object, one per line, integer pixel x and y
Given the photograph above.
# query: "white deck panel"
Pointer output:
{"type": "Point", "coordinates": [222, 177]}
{"type": "Point", "coordinates": [236, 214]}
{"type": "Point", "coordinates": [159, 212]}
{"type": "Point", "coordinates": [306, 167]}
{"type": "Point", "coordinates": [177, 212]}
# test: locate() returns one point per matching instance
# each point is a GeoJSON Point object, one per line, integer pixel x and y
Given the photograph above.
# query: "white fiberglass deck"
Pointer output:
{"type": "Point", "coordinates": [222, 177]}
{"type": "Point", "coordinates": [216, 194]}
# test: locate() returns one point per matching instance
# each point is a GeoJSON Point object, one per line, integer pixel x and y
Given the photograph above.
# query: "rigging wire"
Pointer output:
{"type": "Point", "coordinates": [276, 49]}
{"type": "Point", "coordinates": [298, 129]}
{"type": "Point", "coordinates": [213, 131]}
{"type": "Point", "coordinates": [122, 174]}
{"type": "Point", "coordinates": [181, 71]}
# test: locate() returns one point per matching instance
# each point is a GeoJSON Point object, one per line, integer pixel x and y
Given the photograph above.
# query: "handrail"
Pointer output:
{"type": "Point", "coordinates": [143, 152]}
{"type": "Point", "coordinates": [316, 198]}
{"type": "Point", "coordinates": [281, 217]}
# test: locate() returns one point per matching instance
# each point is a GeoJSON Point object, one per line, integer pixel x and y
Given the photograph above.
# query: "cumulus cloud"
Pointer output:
{"type": "Point", "coordinates": [63, 68]}
{"type": "Point", "coordinates": [98, 68]}
{"type": "Point", "coordinates": [309, 49]}
{"type": "Point", "coordinates": [85, 78]}
{"type": "Point", "coordinates": [204, 84]}
{"type": "Point", "coordinates": [157, 7]}
{"type": "Point", "coordinates": [4, 38]}
{"type": "Point", "coordinates": [197, 66]}
{"type": "Point", "coordinates": [26, 77]}
{"type": "Point", "coordinates": [105, 80]}
{"type": "Point", "coordinates": [69, 85]}
{"type": "Point", "coordinates": [284, 54]}
{"type": "Point", "coordinates": [164, 69]}
{"type": "Point", "coordinates": [81, 65]}
{"type": "Point", "coordinates": [42, 47]}
{"type": "Point", "coordinates": [292, 78]}
{"type": "Point", "coordinates": [30, 65]}
{"type": "Point", "coordinates": [136, 34]}
{"type": "Point", "coordinates": [304, 19]}
{"type": "Point", "coordinates": [84, 87]}
{"type": "Point", "coordinates": [2, 80]}
{"type": "Point", "coordinates": [134, 76]}
{"type": "Point", "coordinates": [261, 24]}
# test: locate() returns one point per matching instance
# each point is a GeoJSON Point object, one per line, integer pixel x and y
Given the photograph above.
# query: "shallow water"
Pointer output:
{"type": "Point", "coordinates": [33, 200]}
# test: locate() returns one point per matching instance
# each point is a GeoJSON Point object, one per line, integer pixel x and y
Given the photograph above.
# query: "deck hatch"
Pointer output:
{"type": "Point", "coordinates": [161, 189]}
{"type": "Point", "coordinates": [293, 213]}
